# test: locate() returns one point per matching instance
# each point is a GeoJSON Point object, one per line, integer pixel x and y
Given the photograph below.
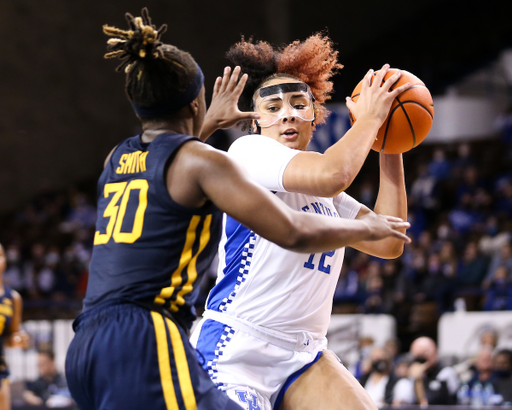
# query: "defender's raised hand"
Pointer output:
{"type": "Point", "coordinates": [384, 226]}
{"type": "Point", "coordinates": [223, 111]}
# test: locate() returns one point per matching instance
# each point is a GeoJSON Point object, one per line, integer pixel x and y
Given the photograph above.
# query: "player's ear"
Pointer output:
{"type": "Point", "coordinates": [194, 107]}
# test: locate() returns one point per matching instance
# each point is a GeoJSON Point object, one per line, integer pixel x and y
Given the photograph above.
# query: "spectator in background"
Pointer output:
{"type": "Point", "coordinates": [376, 380]}
{"type": "Point", "coordinates": [494, 237]}
{"type": "Point", "coordinates": [374, 290]}
{"type": "Point", "coordinates": [390, 275]}
{"type": "Point", "coordinates": [489, 338]}
{"type": "Point", "coordinates": [439, 167]}
{"type": "Point", "coordinates": [362, 366]}
{"type": "Point", "coordinates": [466, 368]}
{"type": "Point", "coordinates": [437, 284]}
{"type": "Point", "coordinates": [504, 200]}
{"type": "Point", "coordinates": [82, 213]}
{"type": "Point", "coordinates": [463, 216]}
{"type": "Point", "coordinates": [448, 259]}
{"type": "Point", "coordinates": [483, 373]}
{"type": "Point", "coordinates": [501, 258]}
{"type": "Point", "coordinates": [392, 348]}
{"type": "Point", "coordinates": [499, 291]}
{"type": "Point", "coordinates": [382, 385]}
{"type": "Point", "coordinates": [480, 389]}
{"type": "Point", "coordinates": [422, 197]}
{"type": "Point", "coordinates": [469, 184]}
{"type": "Point", "coordinates": [13, 274]}
{"type": "Point", "coordinates": [472, 269]}
{"type": "Point", "coordinates": [502, 370]}
{"type": "Point", "coordinates": [401, 367]}
{"type": "Point", "coordinates": [464, 158]}
{"type": "Point", "coordinates": [51, 387]}
{"type": "Point", "coordinates": [433, 383]}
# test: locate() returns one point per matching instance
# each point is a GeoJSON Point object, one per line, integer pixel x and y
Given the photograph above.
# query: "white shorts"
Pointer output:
{"type": "Point", "coordinates": [252, 364]}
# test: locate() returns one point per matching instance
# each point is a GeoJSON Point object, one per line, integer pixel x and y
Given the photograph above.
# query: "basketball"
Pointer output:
{"type": "Point", "coordinates": [410, 117]}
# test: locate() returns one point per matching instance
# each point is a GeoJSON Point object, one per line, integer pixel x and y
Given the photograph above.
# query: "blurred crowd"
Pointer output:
{"type": "Point", "coordinates": [48, 246]}
{"type": "Point", "coordinates": [419, 376]}
{"type": "Point", "coordinates": [460, 209]}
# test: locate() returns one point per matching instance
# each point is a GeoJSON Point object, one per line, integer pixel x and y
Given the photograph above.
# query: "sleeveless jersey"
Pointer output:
{"type": "Point", "coordinates": [6, 314]}
{"type": "Point", "coordinates": [259, 281]}
{"type": "Point", "coordinates": [148, 248]}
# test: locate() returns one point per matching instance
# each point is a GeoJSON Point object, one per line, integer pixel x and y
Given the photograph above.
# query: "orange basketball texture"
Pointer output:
{"type": "Point", "coordinates": [410, 117]}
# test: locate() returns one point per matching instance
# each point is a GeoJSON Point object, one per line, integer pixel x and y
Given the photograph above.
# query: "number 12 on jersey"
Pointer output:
{"type": "Point", "coordinates": [321, 265]}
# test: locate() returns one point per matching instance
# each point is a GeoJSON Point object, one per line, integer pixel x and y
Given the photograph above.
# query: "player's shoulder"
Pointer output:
{"type": "Point", "coordinates": [253, 141]}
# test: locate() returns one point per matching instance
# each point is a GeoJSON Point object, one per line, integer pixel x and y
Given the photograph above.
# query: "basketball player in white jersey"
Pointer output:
{"type": "Point", "coordinates": [262, 336]}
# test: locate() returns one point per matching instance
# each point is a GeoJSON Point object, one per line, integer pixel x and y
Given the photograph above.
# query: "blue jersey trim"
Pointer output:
{"type": "Point", "coordinates": [291, 379]}
{"type": "Point", "coordinates": [213, 340]}
{"type": "Point", "coordinates": [239, 248]}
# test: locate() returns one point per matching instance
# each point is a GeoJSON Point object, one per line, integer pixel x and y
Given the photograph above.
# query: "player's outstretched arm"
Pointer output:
{"type": "Point", "coordinates": [330, 173]}
{"type": "Point", "coordinates": [223, 111]}
{"type": "Point", "coordinates": [226, 184]}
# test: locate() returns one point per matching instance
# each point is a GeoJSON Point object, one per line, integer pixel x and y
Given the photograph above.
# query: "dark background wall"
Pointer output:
{"type": "Point", "coordinates": [63, 106]}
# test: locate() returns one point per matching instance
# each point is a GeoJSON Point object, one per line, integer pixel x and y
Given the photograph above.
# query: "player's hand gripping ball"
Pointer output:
{"type": "Point", "coordinates": [409, 119]}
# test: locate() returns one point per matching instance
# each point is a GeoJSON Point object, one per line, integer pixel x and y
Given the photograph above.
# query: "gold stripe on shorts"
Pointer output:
{"type": "Point", "coordinates": [163, 362]}
{"type": "Point", "coordinates": [180, 359]}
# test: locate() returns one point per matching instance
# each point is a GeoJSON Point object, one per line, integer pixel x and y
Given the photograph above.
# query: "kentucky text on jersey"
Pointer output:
{"type": "Point", "coordinates": [319, 208]}
{"type": "Point", "coordinates": [132, 163]}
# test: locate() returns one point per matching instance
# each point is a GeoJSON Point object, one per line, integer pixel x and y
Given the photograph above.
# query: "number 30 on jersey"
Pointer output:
{"type": "Point", "coordinates": [116, 213]}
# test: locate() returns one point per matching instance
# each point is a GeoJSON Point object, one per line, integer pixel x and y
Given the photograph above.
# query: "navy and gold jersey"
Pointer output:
{"type": "Point", "coordinates": [6, 314]}
{"type": "Point", "coordinates": [148, 248]}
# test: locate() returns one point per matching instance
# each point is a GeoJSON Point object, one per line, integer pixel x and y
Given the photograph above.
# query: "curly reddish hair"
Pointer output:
{"type": "Point", "coordinates": [312, 61]}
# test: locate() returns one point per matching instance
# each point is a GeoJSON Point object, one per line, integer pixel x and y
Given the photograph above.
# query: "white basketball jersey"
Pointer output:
{"type": "Point", "coordinates": [263, 283]}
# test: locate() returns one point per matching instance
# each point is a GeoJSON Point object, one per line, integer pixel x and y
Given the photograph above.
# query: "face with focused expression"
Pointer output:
{"type": "Point", "coordinates": [288, 127]}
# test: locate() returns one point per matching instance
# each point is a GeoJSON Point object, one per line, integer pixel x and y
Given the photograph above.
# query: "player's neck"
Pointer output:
{"type": "Point", "coordinates": [152, 129]}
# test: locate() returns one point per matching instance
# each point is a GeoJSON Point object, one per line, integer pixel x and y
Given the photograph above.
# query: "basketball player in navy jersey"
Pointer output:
{"type": "Point", "coordinates": [11, 307]}
{"type": "Point", "coordinates": [160, 198]}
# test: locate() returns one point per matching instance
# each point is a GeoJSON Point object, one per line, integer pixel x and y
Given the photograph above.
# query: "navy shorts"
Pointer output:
{"type": "Point", "coordinates": [126, 357]}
